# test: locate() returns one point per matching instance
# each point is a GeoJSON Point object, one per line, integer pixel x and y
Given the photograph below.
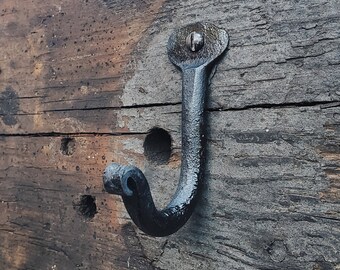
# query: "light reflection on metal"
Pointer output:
{"type": "Point", "coordinates": [193, 49]}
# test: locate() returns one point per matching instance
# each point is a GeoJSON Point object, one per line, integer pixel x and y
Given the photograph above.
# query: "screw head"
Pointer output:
{"type": "Point", "coordinates": [195, 41]}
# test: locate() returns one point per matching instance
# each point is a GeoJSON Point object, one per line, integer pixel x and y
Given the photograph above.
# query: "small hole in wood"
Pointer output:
{"type": "Point", "coordinates": [86, 206]}
{"type": "Point", "coordinates": [157, 146]}
{"type": "Point", "coordinates": [68, 146]}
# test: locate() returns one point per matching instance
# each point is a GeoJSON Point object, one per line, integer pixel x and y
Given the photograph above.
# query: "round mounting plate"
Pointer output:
{"type": "Point", "coordinates": [215, 42]}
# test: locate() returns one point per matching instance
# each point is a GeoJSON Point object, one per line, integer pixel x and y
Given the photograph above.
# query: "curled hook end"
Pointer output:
{"type": "Point", "coordinates": [116, 179]}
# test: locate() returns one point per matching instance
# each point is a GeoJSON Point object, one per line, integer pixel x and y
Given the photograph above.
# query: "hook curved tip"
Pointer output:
{"type": "Point", "coordinates": [116, 179]}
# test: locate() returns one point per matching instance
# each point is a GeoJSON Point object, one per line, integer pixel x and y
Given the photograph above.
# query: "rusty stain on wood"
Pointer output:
{"type": "Point", "coordinates": [58, 61]}
{"type": "Point", "coordinates": [331, 153]}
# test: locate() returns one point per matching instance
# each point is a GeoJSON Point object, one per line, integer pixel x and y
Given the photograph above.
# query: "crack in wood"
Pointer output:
{"type": "Point", "coordinates": [322, 104]}
{"type": "Point", "coordinates": [75, 134]}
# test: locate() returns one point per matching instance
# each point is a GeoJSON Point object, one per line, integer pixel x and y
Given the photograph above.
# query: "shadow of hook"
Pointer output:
{"type": "Point", "coordinates": [193, 49]}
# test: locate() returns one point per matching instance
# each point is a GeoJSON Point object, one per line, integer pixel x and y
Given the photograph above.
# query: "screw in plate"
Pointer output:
{"type": "Point", "coordinates": [194, 41]}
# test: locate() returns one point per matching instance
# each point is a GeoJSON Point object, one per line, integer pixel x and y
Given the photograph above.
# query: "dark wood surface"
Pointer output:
{"type": "Point", "coordinates": [82, 83]}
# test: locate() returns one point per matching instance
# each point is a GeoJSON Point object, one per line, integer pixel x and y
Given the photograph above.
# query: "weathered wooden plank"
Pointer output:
{"type": "Point", "coordinates": [275, 48]}
{"type": "Point", "coordinates": [66, 55]}
{"type": "Point", "coordinates": [50, 203]}
{"type": "Point", "coordinates": [61, 67]}
{"type": "Point", "coordinates": [271, 198]}
{"type": "Point", "coordinates": [82, 83]}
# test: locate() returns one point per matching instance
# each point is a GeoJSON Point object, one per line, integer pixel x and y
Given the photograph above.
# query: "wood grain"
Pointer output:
{"type": "Point", "coordinates": [82, 83]}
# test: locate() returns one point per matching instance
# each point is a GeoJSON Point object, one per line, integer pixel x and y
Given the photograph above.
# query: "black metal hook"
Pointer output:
{"type": "Point", "coordinates": [191, 48]}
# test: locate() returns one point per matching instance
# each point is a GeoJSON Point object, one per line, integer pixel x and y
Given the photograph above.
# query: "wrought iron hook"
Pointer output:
{"type": "Point", "coordinates": [193, 49]}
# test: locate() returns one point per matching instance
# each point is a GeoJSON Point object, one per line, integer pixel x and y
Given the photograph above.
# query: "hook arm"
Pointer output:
{"type": "Point", "coordinates": [130, 182]}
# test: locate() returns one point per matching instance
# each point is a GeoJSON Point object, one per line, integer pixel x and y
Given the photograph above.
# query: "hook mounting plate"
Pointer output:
{"type": "Point", "coordinates": [215, 41]}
